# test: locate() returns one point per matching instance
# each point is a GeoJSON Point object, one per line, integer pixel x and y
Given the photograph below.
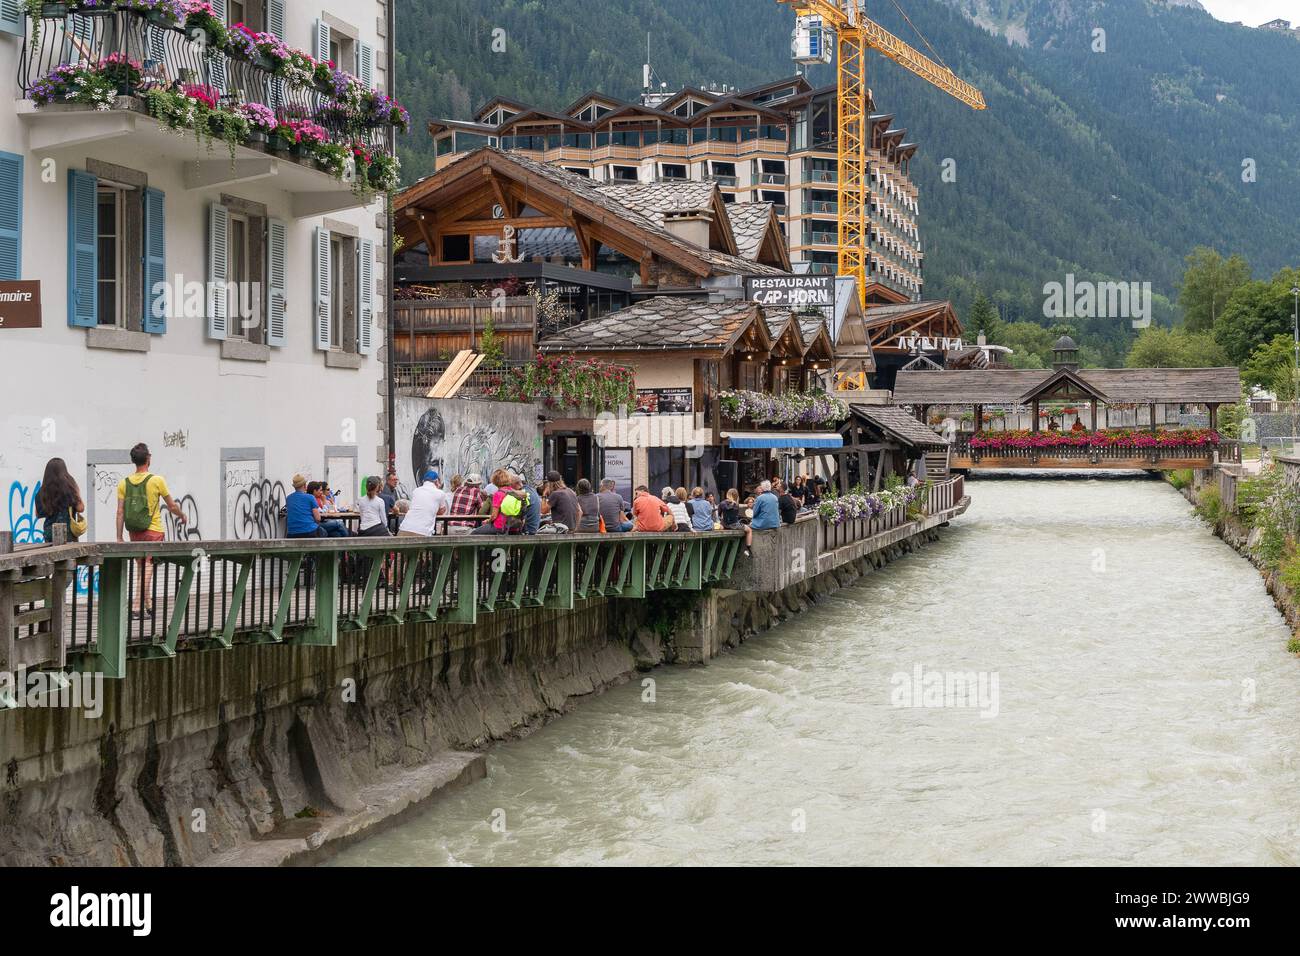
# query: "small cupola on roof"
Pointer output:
{"type": "Point", "coordinates": [1065, 354]}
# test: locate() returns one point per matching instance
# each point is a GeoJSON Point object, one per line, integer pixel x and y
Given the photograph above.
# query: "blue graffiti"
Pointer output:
{"type": "Point", "coordinates": [29, 529]}
{"type": "Point", "coordinates": [87, 579]}
{"type": "Point", "coordinates": [23, 520]}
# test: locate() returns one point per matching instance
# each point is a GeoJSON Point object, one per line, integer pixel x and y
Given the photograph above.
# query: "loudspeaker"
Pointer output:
{"type": "Point", "coordinates": [727, 475]}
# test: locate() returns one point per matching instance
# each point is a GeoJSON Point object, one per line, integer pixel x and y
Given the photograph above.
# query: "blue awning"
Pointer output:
{"type": "Point", "coordinates": [784, 439]}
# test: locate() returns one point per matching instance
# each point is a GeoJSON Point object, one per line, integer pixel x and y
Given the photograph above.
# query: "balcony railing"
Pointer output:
{"type": "Point", "coordinates": [425, 375]}
{"type": "Point", "coordinates": [71, 604]}
{"type": "Point", "coordinates": [1227, 451]}
{"type": "Point", "coordinates": [821, 206]}
{"type": "Point", "coordinates": [939, 497]}
{"type": "Point", "coordinates": [820, 238]}
{"type": "Point", "coordinates": [170, 58]}
{"type": "Point", "coordinates": [824, 176]}
{"type": "Point", "coordinates": [774, 179]}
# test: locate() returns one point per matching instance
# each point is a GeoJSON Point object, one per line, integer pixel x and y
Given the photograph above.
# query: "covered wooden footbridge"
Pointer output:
{"type": "Point", "coordinates": [1091, 446]}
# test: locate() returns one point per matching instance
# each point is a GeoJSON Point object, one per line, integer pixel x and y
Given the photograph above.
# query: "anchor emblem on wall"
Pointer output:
{"type": "Point", "coordinates": [506, 247]}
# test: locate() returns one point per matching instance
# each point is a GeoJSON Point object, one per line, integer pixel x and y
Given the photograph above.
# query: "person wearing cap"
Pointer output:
{"type": "Point", "coordinates": [302, 513]}
{"type": "Point", "coordinates": [466, 500]}
{"type": "Point", "coordinates": [427, 502]}
{"type": "Point", "coordinates": [565, 509]}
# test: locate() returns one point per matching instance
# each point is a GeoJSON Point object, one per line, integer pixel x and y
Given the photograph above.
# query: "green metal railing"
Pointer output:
{"type": "Point", "coordinates": [80, 605]}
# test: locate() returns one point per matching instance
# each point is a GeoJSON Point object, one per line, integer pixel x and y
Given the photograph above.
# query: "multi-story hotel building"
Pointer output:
{"type": "Point", "coordinates": [770, 144]}
{"type": "Point", "coordinates": [222, 302]}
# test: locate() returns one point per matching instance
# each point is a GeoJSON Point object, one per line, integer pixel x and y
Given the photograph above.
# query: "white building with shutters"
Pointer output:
{"type": "Point", "coordinates": [225, 306]}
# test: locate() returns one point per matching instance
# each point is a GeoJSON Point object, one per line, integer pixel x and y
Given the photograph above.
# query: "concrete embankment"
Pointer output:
{"type": "Point", "coordinates": [279, 754]}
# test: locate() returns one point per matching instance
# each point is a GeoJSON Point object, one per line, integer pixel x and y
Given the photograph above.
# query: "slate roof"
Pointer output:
{"type": "Point", "coordinates": [655, 200]}
{"type": "Point", "coordinates": [658, 323]}
{"type": "Point", "coordinates": [809, 326]}
{"type": "Point", "coordinates": [1006, 386]}
{"type": "Point", "coordinates": [749, 224]}
{"type": "Point", "coordinates": [898, 424]}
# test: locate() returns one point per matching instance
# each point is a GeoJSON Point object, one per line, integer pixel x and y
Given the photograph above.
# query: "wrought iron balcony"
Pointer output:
{"type": "Point", "coordinates": [139, 52]}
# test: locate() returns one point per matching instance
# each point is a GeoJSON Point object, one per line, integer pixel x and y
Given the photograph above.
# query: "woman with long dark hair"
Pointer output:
{"type": "Point", "coordinates": [58, 499]}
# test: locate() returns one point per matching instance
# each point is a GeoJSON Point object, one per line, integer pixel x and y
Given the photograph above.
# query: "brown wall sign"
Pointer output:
{"type": "Point", "coordinates": [20, 305]}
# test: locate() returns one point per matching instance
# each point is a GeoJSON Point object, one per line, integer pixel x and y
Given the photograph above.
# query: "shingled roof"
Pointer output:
{"type": "Point", "coordinates": [658, 323]}
{"type": "Point", "coordinates": [749, 223]}
{"type": "Point", "coordinates": [1220, 386]}
{"type": "Point", "coordinates": [899, 425]}
{"type": "Point", "coordinates": [656, 200]}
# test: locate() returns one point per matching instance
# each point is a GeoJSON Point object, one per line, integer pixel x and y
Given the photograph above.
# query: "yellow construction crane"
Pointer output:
{"type": "Point", "coordinates": [855, 34]}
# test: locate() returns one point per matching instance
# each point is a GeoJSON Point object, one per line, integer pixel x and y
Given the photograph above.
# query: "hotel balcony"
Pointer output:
{"type": "Point", "coordinates": [822, 206]}
{"type": "Point", "coordinates": [169, 59]}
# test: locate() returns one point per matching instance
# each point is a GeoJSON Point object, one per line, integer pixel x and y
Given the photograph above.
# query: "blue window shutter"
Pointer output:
{"type": "Point", "coordinates": [276, 280]}
{"type": "Point", "coordinates": [83, 263]}
{"type": "Point", "coordinates": [11, 217]}
{"type": "Point", "coordinates": [11, 17]}
{"type": "Point", "coordinates": [155, 262]}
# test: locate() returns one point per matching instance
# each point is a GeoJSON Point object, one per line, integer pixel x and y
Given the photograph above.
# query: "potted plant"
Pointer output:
{"type": "Point", "coordinates": [123, 72]}
{"type": "Point", "coordinates": [163, 13]}
{"type": "Point", "coordinates": [231, 127]}
{"type": "Point", "coordinates": [261, 121]}
{"type": "Point", "coordinates": [200, 16]}
{"type": "Point", "coordinates": [384, 172]}
{"type": "Point", "coordinates": [281, 139]}
{"type": "Point", "coordinates": [85, 85]}
{"type": "Point", "coordinates": [307, 136]}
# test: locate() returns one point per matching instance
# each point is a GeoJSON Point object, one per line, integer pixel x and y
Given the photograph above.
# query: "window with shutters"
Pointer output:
{"type": "Point", "coordinates": [344, 276]}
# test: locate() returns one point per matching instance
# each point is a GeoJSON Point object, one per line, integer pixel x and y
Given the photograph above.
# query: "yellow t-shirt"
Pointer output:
{"type": "Point", "coordinates": [156, 491]}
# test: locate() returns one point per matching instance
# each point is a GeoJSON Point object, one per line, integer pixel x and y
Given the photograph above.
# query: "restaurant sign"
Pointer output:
{"type": "Point", "coordinates": [930, 343]}
{"type": "Point", "coordinates": [791, 292]}
{"type": "Point", "coordinates": [20, 305]}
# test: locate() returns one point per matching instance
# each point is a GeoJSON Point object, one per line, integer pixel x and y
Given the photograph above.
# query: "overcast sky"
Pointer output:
{"type": "Point", "coordinates": [1254, 12]}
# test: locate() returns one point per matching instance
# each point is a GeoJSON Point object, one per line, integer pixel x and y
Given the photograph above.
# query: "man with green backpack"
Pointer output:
{"type": "Point", "coordinates": [140, 498]}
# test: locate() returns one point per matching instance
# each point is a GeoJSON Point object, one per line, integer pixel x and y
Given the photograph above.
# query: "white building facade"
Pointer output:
{"type": "Point", "coordinates": [222, 302]}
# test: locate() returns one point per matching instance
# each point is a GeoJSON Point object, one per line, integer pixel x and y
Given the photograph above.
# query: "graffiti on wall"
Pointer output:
{"type": "Point", "coordinates": [30, 529]}
{"type": "Point", "coordinates": [27, 528]}
{"type": "Point", "coordinates": [458, 437]}
{"type": "Point", "coordinates": [177, 439]}
{"type": "Point", "coordinates": [189, 531]}
{"type": "Point", "coordinates": [257, 511]}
